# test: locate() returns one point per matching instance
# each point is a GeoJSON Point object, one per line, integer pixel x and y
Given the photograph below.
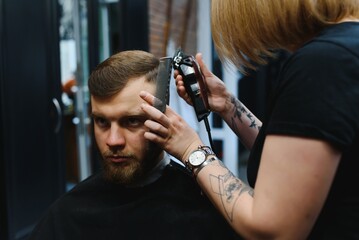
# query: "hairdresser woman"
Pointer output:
{"type": "Point", "coordinates": [304, 164]}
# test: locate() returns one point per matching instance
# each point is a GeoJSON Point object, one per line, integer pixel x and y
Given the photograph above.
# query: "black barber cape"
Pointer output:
{"type": "Point", "coordinates": [170, 208]}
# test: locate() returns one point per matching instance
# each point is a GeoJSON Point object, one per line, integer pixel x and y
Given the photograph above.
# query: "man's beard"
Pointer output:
{"type": "Point", "coordinates": [131, 171]}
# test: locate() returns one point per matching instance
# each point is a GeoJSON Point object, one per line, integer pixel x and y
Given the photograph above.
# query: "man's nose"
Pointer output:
{"type": "Point", "coordinates": [115, 137]}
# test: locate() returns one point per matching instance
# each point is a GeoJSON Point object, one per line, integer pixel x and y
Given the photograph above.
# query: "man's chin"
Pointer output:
{"type": "Point", "coordinates": [123, 174]}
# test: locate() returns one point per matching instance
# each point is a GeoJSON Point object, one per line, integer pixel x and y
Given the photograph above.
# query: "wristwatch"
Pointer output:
{"type": "Point", "coordinates": [198, 157]}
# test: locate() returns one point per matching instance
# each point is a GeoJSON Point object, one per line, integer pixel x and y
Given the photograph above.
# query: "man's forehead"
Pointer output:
{"type": "Point", "coordinates": [140, 84]}
{"type": "Point", "coordinates": [116, 108]}
{"type": "Point", "coordinates": [126, 102]}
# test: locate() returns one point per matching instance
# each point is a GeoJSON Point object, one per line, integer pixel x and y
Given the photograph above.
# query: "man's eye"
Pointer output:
{"type": "Point", "coordinates": [134, 122]}
{"type": "Point", "coordinates": [101, 122]}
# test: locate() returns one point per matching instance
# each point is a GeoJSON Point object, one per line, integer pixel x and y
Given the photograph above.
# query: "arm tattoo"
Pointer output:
{"type": "Point", "coordinates": [229, 188]}
{"type": "Point", "coordinates": [238, 111]}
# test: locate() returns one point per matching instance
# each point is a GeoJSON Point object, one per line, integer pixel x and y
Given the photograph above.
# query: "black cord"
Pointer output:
{"type": "Point", "coordinates": [208, 128]}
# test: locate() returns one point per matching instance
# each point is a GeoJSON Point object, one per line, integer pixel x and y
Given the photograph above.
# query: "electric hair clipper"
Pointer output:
{"type": "Point", "coordinates": [193, 81]}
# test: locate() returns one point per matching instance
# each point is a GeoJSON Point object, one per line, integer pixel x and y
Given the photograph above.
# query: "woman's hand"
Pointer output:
{"type": "Point", "coordinates": [218, 96]}
{"type": "Point", "coordinates": [169, 129]}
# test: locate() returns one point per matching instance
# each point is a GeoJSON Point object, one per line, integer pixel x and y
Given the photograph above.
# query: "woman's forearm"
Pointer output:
{"type": "Point", "coordinates": [230, 195]}
{"type": "Point", "coordinates": [240, 119]}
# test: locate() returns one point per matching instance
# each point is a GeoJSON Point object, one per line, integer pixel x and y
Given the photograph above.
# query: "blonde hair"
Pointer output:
{"type": "Point", "coordinates": [249, 30]}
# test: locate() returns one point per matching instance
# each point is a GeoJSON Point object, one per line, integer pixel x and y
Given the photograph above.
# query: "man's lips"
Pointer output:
{"type": "Point", "coordinates": [118, 159]}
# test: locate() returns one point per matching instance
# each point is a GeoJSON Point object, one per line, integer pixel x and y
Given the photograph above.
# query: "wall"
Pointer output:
{"type": "Point", "coordinates": [172, 23]}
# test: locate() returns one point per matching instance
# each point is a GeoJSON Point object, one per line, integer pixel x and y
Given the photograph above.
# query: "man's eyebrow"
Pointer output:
{"type": "Point", "coordinates": [136, 114]}
{"type": "Point", "coordinates": [124, 115]}
{"type": "Point", "coordinates": [94, 114]}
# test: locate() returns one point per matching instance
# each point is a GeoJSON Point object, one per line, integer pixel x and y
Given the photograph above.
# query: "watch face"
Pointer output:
{"type": "Point", "coordinates": [197, 158]}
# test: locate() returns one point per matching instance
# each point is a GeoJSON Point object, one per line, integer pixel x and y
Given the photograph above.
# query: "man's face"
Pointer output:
{"type": "Point", "coordinates": [119, 132]}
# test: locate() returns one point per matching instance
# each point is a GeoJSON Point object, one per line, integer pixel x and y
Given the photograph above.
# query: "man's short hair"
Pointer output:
{"type": "Point", "coordinates": [112, 75]}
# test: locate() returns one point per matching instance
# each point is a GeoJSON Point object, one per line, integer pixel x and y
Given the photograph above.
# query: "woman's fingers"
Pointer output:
{"type": "Point", "coordinates": [180, 85]}
{"type": "Point", "coordinates": [168, 129]}
{"type": "Point", "coordinates": [157, 128]}
{"type": "Point", "coordinates": [181, 90]}
{"type": "Point", "coordinates": [152, 100]}
{"type": "Point", "coordinates": [155, 114]}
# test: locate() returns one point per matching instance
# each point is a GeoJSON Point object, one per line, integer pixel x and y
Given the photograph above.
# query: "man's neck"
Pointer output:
{"type": "Point", "coordinates": [155, 173]}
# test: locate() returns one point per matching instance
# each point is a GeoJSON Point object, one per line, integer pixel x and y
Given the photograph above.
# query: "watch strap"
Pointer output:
{"type": "Point", "coordinates": [205, 163]}
{"type": "Point", "coordinates": [207, 149]}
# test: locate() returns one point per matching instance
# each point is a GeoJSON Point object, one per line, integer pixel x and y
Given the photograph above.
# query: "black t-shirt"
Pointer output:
{"type": "Point", "coordinates": [170, 208]}
{"type": "Point", "coordinates": [317, 97]}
